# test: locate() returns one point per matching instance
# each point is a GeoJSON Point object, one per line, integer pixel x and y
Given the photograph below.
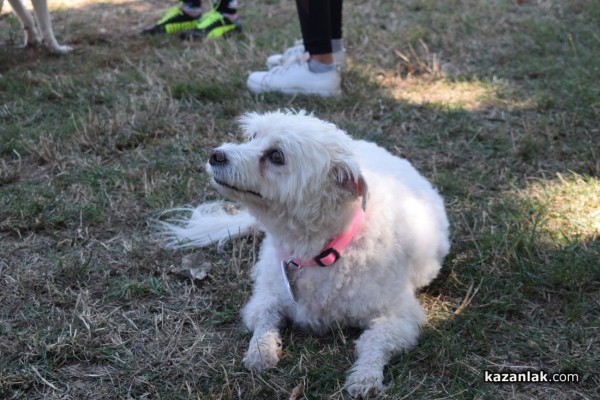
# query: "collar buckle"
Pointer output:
{"type": "Point", "coordinates": [321, 258]}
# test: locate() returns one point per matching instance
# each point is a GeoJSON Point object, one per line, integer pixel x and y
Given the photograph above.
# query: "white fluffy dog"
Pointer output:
{"type": "Point", "coordinates": [38, 29]}
{"type": "Point", "coordinates": [304, 182]}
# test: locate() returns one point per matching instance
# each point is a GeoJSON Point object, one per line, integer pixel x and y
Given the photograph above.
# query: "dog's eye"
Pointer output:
{"type": "Point", "coordinates": [276, 157]}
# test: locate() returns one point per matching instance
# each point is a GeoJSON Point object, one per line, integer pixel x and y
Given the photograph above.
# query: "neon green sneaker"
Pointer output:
{"type": "Point", "coordinates": [174, 21]}
{"type": "Point", "coordinates": [213, 25]}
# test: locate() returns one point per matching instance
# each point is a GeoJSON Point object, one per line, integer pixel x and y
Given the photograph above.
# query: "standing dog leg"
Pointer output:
{"type": "Point", "coordinates": [43, 15]}
{"type": "Point", "coordinates": [387, 336]}
{"type": "Point", "coordinates": [265, 347]}
{"type": "Point", "coordinates": [32, 35]}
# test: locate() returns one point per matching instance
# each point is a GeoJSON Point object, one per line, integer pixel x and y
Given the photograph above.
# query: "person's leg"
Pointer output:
{"type": "Point", "coordinates": [227, 8]}
{"type": "Point", "coordinates": [193, 8]}
{"type": "Point", "coordinates": [315, 24]}
{"type": "Point", "coordinates": [337, 44]}
{"type": "Point", "coordinates": [313, 72]}
{"type": "Point", "coordinates": [308, 29]}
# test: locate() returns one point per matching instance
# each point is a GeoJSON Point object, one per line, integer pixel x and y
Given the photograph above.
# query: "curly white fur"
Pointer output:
{"type": "Point", "coordinates": [303, 200]}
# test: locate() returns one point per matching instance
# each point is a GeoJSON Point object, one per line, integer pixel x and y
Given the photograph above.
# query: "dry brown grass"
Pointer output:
{"type": "Point", "coordinates": [497, 103]}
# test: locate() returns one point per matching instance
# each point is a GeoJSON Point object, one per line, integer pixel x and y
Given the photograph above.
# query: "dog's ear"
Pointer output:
{"type": "Point", "coordinates": [351, 181]}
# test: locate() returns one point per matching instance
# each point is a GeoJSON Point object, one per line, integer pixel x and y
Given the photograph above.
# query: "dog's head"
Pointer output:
{"type": "Point", "coordinates": [291, 160]}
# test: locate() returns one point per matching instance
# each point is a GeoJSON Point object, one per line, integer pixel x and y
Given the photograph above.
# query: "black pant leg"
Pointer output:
{"type": "Point", "coordinates": [315, 23]}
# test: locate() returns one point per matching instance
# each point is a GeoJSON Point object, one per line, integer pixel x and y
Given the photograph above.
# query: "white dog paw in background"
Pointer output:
{"type": "Point", "coordinates": [37, 28]}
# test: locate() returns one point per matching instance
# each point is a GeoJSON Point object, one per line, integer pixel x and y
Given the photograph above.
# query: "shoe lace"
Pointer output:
{"type": "Point", "coordinates": [288, 65]}
{"type": "Point", "coordinates": [294, 51]}
{"type": "Point", "coordinates": [294, 59]}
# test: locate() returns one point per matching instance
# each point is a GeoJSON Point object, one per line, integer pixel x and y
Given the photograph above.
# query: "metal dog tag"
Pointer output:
{"type": "Point", "coordinates": [286, 281]}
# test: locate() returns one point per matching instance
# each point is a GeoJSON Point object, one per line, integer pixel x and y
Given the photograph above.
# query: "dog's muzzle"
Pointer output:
{"type": "Point", "coordinates": [218, 159]}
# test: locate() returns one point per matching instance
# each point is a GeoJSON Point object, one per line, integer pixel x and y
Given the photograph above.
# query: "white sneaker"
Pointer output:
{"type": "Point", "coordinates": [297, 51]}
{"type": "Point", "coordinates": [295, 78]}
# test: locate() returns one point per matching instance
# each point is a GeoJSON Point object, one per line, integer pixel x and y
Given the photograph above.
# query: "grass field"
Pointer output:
{"type": "Point", "coordinates": [497, 103]}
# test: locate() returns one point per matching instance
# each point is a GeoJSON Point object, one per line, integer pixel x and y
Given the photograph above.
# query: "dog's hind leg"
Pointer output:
{"type": "Point", "coordinates": [386, 337]}
{"type": "Point", "coordinates": [43, 15]}
{"type": "Point", "coordinates": [32, 35]}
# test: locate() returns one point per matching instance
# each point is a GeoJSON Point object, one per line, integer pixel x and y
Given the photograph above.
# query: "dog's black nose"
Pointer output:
{"type": "Point", "coordinates": [217, 157]}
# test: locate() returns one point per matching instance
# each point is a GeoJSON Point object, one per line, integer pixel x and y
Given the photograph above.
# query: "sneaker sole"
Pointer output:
{"type": "Point", "coordinates": [258, 89]}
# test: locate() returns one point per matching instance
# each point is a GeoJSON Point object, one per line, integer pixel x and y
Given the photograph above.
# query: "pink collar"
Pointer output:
{"type": "Point", "coordinates": [332, 251]}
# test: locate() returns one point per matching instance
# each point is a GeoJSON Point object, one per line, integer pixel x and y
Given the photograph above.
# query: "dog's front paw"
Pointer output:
{"type": "Point", "coordinates": [364, 382]}
{"type": "Point", "coordinates": [264, 352]}
{"type": "Point", "coordinates": [60, 49]}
